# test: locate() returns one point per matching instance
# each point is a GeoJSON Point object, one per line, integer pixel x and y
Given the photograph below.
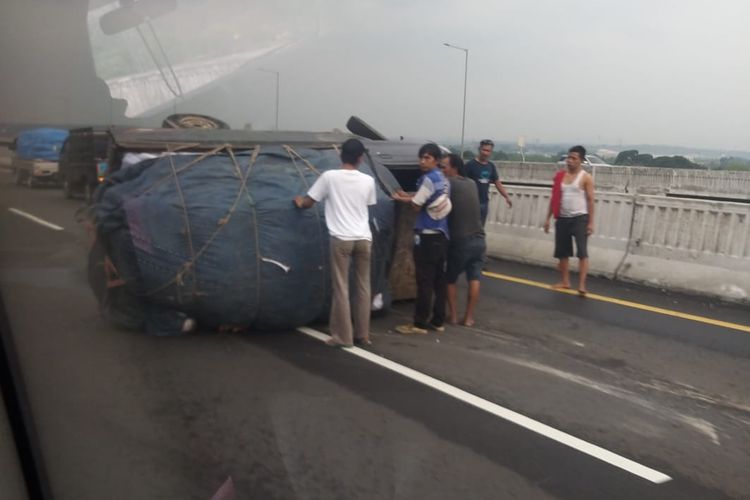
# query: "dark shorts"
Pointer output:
{"type": "Point", "coordinates": [566, 229]}
{"type": "Point", "coordinates": [466, 256]}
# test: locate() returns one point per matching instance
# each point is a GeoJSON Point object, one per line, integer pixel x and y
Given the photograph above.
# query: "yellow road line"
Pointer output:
{"type": "Point", "coordinates": [625, 303]}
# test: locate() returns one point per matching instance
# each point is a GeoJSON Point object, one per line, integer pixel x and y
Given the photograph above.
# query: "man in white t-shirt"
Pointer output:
{"type": "Point", "coordinates": [347, 193]}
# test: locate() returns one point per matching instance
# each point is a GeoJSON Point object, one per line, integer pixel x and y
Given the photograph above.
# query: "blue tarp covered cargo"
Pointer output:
{"type": "Point", "coordinates": [40, 144]}
{"type": "Point", "coordinates": [217, 238]}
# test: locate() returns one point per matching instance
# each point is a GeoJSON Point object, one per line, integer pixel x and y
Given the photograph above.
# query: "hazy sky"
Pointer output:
{"type": "Point", "coordinates": [636, 71]}
{"type": "Point", "coordinates": [604, 71]}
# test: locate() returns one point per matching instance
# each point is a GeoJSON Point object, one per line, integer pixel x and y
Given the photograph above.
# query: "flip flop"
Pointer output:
{"type": "Point", "coordinates": [363, 341]}
{"type": "Point", "coordinates": [582, 293]}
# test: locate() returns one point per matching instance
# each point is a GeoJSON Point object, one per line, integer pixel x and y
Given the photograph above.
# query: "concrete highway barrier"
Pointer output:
{"type": "Point", "coordinates": [641, 180]}
{"type": "Point", "coordinates": [681, 244]}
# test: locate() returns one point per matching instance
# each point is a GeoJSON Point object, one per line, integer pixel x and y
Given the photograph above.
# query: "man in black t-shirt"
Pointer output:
{"type": "Point", "coordinates": [482, 171]}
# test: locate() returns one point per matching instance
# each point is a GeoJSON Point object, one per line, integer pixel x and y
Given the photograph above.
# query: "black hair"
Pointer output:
{"type": "Point", "coordinates": [486, 142]}
{"type": "Point", "coordinates": [580, 150]}
{"type": "Point", "coordinates": [431, 149]}
{"type": "Point", "coordinates": [457, 163]}
{"type": "Point", "coordinates": [351, 151]}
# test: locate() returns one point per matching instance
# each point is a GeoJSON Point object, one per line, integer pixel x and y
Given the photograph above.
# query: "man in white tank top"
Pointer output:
{"type": "Point", "coordinates": [572, 204]}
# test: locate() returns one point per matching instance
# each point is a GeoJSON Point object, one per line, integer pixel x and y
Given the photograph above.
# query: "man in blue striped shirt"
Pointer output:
{"type": "Point", "coordinates": [432, 201]}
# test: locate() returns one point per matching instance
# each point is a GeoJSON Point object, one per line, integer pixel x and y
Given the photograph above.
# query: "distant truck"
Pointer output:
{"type": "Point", "coordinates": [83, 161]}
{"type": "Point", "coordinates": [36, 153]}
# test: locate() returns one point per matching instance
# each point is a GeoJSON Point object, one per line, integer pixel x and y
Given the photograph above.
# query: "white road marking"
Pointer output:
{"type": "Point", "coordinates": [698, 424]}
{"type": "Point", "coordinates": [561, 437]}
{"type": "Point", "coordinates": [36, 219]}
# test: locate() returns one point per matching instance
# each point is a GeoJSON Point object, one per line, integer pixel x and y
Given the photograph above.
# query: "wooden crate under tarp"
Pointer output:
{"type": "Point", "coordinates": [402, 277]}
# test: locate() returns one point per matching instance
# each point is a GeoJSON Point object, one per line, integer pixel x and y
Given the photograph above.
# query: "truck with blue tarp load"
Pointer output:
{"type": "Point", "coordinates": [200, 224]}
{"type": "Point", "coordinates": [36, 153]}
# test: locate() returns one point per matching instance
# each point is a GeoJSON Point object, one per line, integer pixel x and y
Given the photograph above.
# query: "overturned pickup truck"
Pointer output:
{"type": "Point", "coordinates": [194, 223]}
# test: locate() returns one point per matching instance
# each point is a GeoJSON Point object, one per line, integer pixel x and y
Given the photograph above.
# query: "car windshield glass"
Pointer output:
{"type": "Point", "coordinates": [187, 47]}
{"type": "Point", "coordinates": [332, 249]}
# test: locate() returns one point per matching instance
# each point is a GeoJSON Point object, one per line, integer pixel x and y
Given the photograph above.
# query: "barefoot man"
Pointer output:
{"type": "Point", "coordinates": [467, 247]}
{"type": "Point", "coordinates": [572, 204]}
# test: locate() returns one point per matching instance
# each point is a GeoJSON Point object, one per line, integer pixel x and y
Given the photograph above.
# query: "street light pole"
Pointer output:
{"type": "Point", "coordinates": [277, 93]}
{"type": "Point", "coordinates": [466, 74]}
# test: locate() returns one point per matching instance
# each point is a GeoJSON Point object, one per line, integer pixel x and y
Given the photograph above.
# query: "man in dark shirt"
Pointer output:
{"type": "Point", "coordinates": [482, 171]}
{"type": "Point", "coordinates": [467, 246]}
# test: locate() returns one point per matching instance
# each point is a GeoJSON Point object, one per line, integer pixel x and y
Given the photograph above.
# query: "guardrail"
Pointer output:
{"type": "Point", "coordinates": [640, 180]}
{"type": "Point", "coordinates": [690, 245]}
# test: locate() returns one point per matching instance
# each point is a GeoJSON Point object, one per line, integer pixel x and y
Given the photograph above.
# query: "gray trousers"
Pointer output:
{"type": "Point", "coordinates": [340, 323]}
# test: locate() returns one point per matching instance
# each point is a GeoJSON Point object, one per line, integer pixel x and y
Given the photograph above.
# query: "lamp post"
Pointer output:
{"type": "Point", "coordinates": [466, 73]}
{"type": "Point", "coordinates": [277, 92]}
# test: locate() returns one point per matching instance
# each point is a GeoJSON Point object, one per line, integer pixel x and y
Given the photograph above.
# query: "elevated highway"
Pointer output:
{"type": "Point", "coordinates": [632, 393]}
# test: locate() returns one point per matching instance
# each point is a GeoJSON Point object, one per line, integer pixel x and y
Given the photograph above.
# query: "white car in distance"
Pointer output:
{"type": "Point", "coordinates": [588, 162]}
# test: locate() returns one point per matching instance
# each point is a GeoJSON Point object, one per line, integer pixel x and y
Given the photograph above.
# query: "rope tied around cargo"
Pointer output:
{"type": "Point", "coordinates": [173, 150]}
{"type": "Point", "coordinates": [323, 234]}
{"type": "Point", "coordinates": [189, 266]}
{"type": "Point", "coordinates": [189, 235]}
{"type": "Point", "coordinates": [180, 266]}
{"type": "Point", "coordinates": [294, 154]}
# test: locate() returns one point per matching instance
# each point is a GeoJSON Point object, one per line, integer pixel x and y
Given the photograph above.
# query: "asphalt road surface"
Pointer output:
{"type": "Point", "coordinates": [547, 396]}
